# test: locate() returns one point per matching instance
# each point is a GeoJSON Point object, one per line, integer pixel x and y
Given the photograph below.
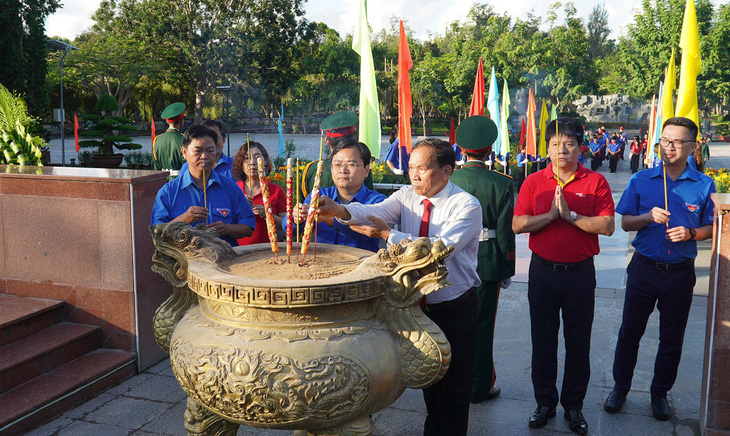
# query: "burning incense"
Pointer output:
{"type": "Point", "coordinates": [321, 145]}
{"type": "Point", "coordinates": [290, 216]}
{"type": "Point", "coordinates": [205, 196]}
{"type": "Point", "coordinates": [249, 182]}
{"type": "Point", "coordinates": [313, 210]}
{"type": "Point", "coordinates": [289, 207]}
{"type": "Point", "coordinates": [270, 223]}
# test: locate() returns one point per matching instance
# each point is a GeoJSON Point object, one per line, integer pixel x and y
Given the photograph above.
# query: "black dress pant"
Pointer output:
{"type": "Point", "coordinates": [595, 162]}
{"type": "Point", "coordinates": [635, 163]}
{"type": "Point", "coordinates": [671, 292]}
{"type": "Point", "coordinates": [613, 162]}
{"type": "Point", "coordinates": [550, 293]}
{"type": "Point", "coordinates": [447, 402]}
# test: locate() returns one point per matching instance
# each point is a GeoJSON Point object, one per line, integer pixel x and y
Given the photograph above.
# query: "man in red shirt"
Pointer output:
{"type": "Point", "coordinates": [564, 208]}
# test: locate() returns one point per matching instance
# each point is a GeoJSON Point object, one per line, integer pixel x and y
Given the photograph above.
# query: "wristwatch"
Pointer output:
{"type": "Point", "coordinates": [692, 234]}
{"type": "Point", "coordinates": [573, 217]}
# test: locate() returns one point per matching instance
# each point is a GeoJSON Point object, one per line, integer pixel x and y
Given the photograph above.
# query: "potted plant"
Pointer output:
{"type": "Point", "coordinates": [146, 160]}
{"type": "Point", "coordinates": [106, 131]}
{"type": "Point", "coordinates": [85, 159]}
{"type": "Point", "coordinates": [128, 158]}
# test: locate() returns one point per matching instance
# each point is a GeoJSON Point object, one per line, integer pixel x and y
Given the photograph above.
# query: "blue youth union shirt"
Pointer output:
{"type": "Point", "coordinates": [394, 155]}
{"type": "Point", "coordinates": [226, 202]}
{"type": "Point", "coordinates": [689, 203]}
{"type": "Point", "coordinates": [341, 234]}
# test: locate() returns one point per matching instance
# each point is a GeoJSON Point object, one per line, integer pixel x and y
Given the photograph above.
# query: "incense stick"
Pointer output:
{"type": "Point", "coordinates": [250, 163]}
{"type": "Point", "coordinates": [268, 213]}
{"type": "Point", "coordinates": [205, 196]}
{"type": "Point", "coordinates": [321, 144]}
{"type": "Point", "coordinates": [313, 210]}
{"type": "Point", "coordinates": [298, 228]}
{"type": "Point", "coordinates": [289, 207]}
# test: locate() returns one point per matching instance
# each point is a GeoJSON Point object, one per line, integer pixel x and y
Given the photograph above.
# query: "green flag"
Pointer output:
{"type": "Point", "coordinates": [542, 145]}
{"type": "Point", "coordinates": [369, 127]}
{"type": "Point", "coordinates": [554, 113]}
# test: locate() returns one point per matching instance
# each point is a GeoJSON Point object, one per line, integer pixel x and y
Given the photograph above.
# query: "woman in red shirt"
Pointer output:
{"type": "Point", "coordinates": [636, 151]}
{"type": "Point", "coordinates": [246, 173]}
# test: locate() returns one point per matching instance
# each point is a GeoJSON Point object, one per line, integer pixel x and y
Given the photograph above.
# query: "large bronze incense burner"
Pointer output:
{"type": "Point", "coordinates": [289, 346]}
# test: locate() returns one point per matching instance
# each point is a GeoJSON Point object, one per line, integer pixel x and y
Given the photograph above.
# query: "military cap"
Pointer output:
{"type": "Point", "coordinates": [174, 112]}
{"type": "Point", "coordinates": [340, 123]}
{"type": "Point", "coordinates": [476, 134]}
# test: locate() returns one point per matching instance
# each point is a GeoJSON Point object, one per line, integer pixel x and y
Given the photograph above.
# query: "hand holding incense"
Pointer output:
{"type": "Point", "coordinates": [313, 210]}
{"type": "Point", "coordinates": [289, 207]}
{"type": "Point", "coordinates": [270, 223]}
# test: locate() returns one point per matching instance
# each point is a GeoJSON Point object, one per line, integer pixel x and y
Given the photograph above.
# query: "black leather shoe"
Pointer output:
{"type": "Point", "coordinates": [541, 415]}
{"type": "Point", "coordinates": [576, 421]}
{"type": "Point", "coordinates": [614, 402]}
{"type": "Point", "coordinates": [660, 408]}
{"type": "Point", "coordinates": [492, 394]}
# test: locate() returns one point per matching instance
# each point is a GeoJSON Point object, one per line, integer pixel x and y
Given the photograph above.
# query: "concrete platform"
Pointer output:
{"type": "Point", "coordinates": [152, 403]}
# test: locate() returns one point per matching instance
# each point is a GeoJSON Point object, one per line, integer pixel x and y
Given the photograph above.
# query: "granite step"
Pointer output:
{"type": "Point", "coordinates": [24, 316]}
{"type": "Point", "coordinates": [42, 398]}
{"type": "Point", "coordinates": [45, 350]}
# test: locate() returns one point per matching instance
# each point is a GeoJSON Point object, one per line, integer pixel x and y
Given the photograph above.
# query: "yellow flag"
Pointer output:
{"type": "Point", "coordinates": [691, 66]}
{"type": "Point", "coordinates": [667, 103]}
{"type": "Point", "coordinates": [542, 145]}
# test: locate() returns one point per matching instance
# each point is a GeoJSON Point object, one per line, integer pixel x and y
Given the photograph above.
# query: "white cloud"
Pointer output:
{"type": "Point", "coordinates": [72, 19]}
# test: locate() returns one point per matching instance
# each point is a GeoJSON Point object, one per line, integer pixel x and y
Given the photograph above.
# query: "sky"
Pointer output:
{"type": "Point", "coordinates": [423, 16]}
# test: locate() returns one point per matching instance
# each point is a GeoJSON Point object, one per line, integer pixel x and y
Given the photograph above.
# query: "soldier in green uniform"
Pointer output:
{"type": "Point", "coordinates": [496, 258]}
{"type": "Point", "coordinates": [337, 127]}
{"type": "Point", "coordinates": [167, 148]}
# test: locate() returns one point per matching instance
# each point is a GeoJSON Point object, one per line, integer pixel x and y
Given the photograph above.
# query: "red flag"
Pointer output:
{"type": "Point", "coordinates": [452, 133]}
{"type": "Point", "coordinates": [522, 133]}
{"type": "Point", "coordinates": [76, 132]}
{"type": "Point", "coordinates": [405, 101]}
{"type": "Point", "coordinates": [531, 133]}
{"type": "Point", "coordinates": [154, 135]}
{"type": "Point", "coordinates": [477, 98]}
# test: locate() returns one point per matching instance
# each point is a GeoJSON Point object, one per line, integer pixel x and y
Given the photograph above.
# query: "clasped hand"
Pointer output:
{"type": "Point", "coordinates": [559, 207]}
{"type": "Point", "coordinates": [199, 213]}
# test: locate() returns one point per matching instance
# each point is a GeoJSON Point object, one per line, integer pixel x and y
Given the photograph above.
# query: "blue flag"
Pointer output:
{"type": "Point", "coordinates": [281, 131]}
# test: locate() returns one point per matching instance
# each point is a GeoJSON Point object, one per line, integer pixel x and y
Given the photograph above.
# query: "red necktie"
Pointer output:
{"type": "Point", "coordinates": [426, 218]}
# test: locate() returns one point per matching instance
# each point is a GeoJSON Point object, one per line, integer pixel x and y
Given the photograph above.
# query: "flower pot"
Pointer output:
{"type": "Point", "coordinates": [108, 161]}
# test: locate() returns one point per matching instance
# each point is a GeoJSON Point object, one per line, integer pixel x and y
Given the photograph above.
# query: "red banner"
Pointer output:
{"type": "Point", "coordinates": [405, 100]}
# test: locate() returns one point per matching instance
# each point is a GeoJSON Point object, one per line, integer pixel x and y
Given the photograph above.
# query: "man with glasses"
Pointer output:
{"type": "Point", "coordinates": [350, 165]}
{"type": "Point", "coordinates": [661, 271]}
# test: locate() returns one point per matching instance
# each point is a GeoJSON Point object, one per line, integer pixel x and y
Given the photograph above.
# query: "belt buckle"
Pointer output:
{"type": "Point", "coordinates": [560, 267]}
{"type": "Point", "coordinates": [662, 266]}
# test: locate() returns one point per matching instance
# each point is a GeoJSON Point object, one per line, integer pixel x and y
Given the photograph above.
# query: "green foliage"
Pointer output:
{"type": "Point", "coordinates": [289, 149]}
{"type": "Point", "coordinates": [105, 129]}
{"type": "Point", "coordinates": [23, 50]}
{"type": "Point", "coordinates": [106, 103]}
{"type": "Point", "coordinates": [17, 145]}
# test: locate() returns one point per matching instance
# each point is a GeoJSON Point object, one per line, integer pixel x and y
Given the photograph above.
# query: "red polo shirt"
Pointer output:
{"type": "Point", "coordinates": [560, 241]}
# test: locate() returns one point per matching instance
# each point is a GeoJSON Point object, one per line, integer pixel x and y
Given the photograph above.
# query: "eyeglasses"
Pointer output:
{"type": "Point", "coordinates": [666, 143]}
{"type": "Point", "coordinates": [352, 166]}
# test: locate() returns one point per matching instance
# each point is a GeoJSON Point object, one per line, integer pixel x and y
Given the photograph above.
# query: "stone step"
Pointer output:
{"type": "Point", "coordinates": [23, 316]}
{"type": "Point", "coordinates": [45, 350]}
{"type": "Point", "coordinates": [37, 401]}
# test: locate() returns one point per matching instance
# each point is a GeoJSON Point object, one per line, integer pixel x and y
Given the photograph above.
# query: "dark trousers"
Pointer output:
{"type": "Point", "coordinates": [447, 402]}
{"type": "Point", "coordinates": [612, 162]}
{"type": "Point", "coordinates": [596, 162]}
{"type": "Point", "coordinates": [550, 292]}
{"type": "Point", "coordinates": [671, 292]}
{"type": "Point", "coordinates": [484, 373]}
{"type": "Point", "coordinates": [520, 177]}
{"type": "Point", "coordinates": [635, 163]}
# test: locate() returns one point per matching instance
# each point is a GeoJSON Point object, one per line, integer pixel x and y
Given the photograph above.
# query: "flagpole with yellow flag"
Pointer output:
{"type": "Point", "coordinates": [405, 99]}
{"type": "Point", "coordinates": [691, 66]}
{"type": "Point", "coordinates": [670, 83]}
{"type": "Point", "coordinates": [542, 145]}
{"type": "Point", "coordinates": [369, 122]}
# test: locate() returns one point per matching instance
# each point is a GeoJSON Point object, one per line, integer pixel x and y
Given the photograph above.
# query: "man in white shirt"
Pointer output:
{"type": "Point", "coordinates": [434, 207]}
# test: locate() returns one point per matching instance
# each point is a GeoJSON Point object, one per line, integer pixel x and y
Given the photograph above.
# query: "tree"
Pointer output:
{"type": "Point", "coordinates": [716, 69]}
{"type": "Point", "coordinates": [207, 42]}
{"type": "Point", "coordinates": [598, 31]}
{"type": "Point", "coordinates": [645, 51]}
{"type": "Point", "coordinates": [23, 50]}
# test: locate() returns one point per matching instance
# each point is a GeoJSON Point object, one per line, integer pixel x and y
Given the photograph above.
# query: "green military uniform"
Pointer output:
{"type": "Point", "coordinates": [496, 257]}
{"type": "Point", "coordinates": [339, 124]}
{"type": "Point", "coordinates": [167, 147]}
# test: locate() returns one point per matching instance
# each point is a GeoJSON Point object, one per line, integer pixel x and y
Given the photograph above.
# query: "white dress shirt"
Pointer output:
{"type": "Point", "coordinates": [456, 219]}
